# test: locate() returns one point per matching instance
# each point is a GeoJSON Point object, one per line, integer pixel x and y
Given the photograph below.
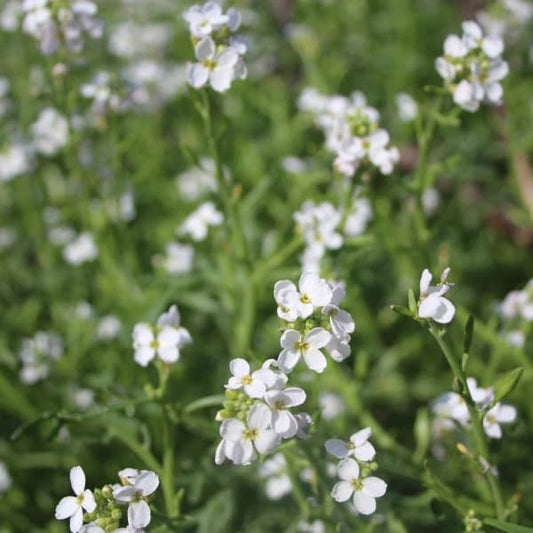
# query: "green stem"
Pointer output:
{"type": "Point", "coordinates": [476, 417]}
{"type": "Point", "coordinates": [167, 474]}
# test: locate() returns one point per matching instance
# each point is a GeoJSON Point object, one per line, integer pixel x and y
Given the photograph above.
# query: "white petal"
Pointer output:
{"type": "Point", "coordinates": [363, 503]}
{"type": "Point", "coordinates": [445, 312]}
{"type": "Point", "coordinates": [288, 359]}
{"type": "Point", "coordinates": [256, 389]}
{"type": "Point", "coordinates": [348, 469]}
{"type": "Point", "coordinates": [142, 334]}
{"type": "Point", "coordinates": [318, 338]}
{"type": "Point", "coordinates": [294, 396]}
{"type": "Point", "coordinates": [259, 417]}
{"type": "Point", "coordinates": [89, 503]}
{"type": "Point", "coordinates": [361, 436]}
{"type": "Point", "coordinates": [124, 494]}
{"type": "Point", "coordinates": [147, 483]}
{"type": "Point", "coordinates": [138, 514]}
{"type": "Point", "coordinates": [220, 79]}
{"type": "Point", "coordinates": [429, 306]}
{"type": "Point", "coordinates": [143, 355]}
{"type": "Point", "coordinates": [337, 448]}
{"type": "Point", "coordinates": [168, 336]}
{"type": "Point", "coordinates": [66, 507]}
{"type": "Point", "coordinates": [283, 286]}
{"type": "Point", "coordinates": [289, 338]}
{"type": "Point", "coordinates": [365, 452]}
{"type": "Point", "coordinates": [197, 75]}
{"type": "Point", "coordinates": [239, 367]}
{"type": "Point", "coordinates": [205, 49]}
{"type": "Point", "coordinates": [315, 360]}
{"type": "Point", "coordinates": [227, 58]}
{"type": "Point", "coordinates": [454, 46]}
{"type": "Point", "coordinates": [341, 491]}
{"type": "Point", "coordinates": [373, 486]}
{"type": "Point", "coordinates": [77, 479]}
{"type": "Point", "coordinates": [168, 354]}
{"type": "Point", "coordinates": [492, 46]}
{"type": "Point", "coordinates": [506, 414]}
{"type": "Point", "coordinates": [425, 281]}
{"type": "Point", "coordinates": [76, 520]}
{"type": "Point", "coordinates": [267, 441]}
{"type": "Point", "coordinates": [232, 429]}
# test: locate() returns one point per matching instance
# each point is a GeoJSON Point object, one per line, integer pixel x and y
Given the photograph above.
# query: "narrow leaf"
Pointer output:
{"type": "Point", "coordinates": [506, 526]}
{"type": "Point", "coordinates": [401, 310]}
{"type": "Point", "coordinates": [412, 302]}
{"type": "Point", "coordinates": [506, 384]}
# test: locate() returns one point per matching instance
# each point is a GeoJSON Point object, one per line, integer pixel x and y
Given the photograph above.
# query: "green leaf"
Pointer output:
{"type": "Point", "coordinates": [207, 401]}
{"type": "Point", "coordinates": [506, 526]}
{"type": "Point", "coordinates": [412, 302]}
{"type": "Point", "coordinates": [401, 310]}
{"type": "Point", "coordinates": [422, 431]}
{"type": "Point", "coordinates": [216, 515]}
{"type": "Point", "coordinates": [469, 331]}
{"type": "Point", "coordinates": [506, 384]}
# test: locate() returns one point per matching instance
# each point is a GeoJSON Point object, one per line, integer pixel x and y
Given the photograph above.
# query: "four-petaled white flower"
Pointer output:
{"type": "Point", "coordinates": [216, 67]}
{"type": "Point", "coordinates": [163, 343]}
{"type": "Point", "coordinates": [499, 414]}
{"type": "Point", "coordinates": [358, 446]}
{"type": "Point", "coordinates": [341, 322]}
{"type": "Point", "coordinates": [203, 20]}
{"type": "Point", "coordinates": [295, 346]}
{"type": "Point", "coordinates": [432, 302]}
{"type": "Point", "coordinates": [197, 223]}
{"type": "Point", "coordinates": [255, 383]}
{"type": "Point", "coordinates": [364, 491]}
{"type": "Point", "coordinates": [135, 495]}
{"type": "Point", "coordinates": [283, 422]}
{"type": "Point", "coordinates": [241, 442]}
{"type": "Point", "coordinates": [72, 506]}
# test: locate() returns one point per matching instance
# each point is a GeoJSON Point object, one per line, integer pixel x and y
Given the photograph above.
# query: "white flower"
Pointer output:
{"type": "Point", "coordinates": [216, 67]}
{"type": "Point", "coordinates": [407, 107]}
{"type": "Point", "coordinates": [135, 495]}
{"type": "Point", "coordinates": [254, 384]}
{"type": "Point", "coordinates": [108, 328]}
{"type": "Point", "coordinates": [499, 414]}
{"type": "Point", "coordinates": [432, 302]}
{"type": "Point", "coordinates": [197, 181]}
{"type": "Point", "coordinates": [331, 404]}
{"type": "Point", "coordinates": [80, 250]}
{"type": "Point", "coordinates": [204, 20]}
{"type": "Point", "coordinates": [50, 132]}
{"type": "Point", "coordinates": [359, 215]}
{"type": "Point", "coordinates": [312, 292]}
{"type": "Point", "coordinates": [364, 491]}
{"type": "Point", "coordinates": [452, 406]}
{"type": "Point", "coordinates": [482, 397]}
{"type": "Point", "coordinates": [241, 442]}
{"type": "Point", "coordinates": [340, 321]}
{"type": "Point", "coordinates": [473, 38]}
{"type": "Point", "coordinates": [358, 446]}
{"type": "Point", "coordinates": [14, 161]}
{"type": "Point", "coordinates": [163, 343]}
{"type": "Point", "coordinates": [178, 258]}
{"type": "Point", "coordinates": [295, 346]}
{"type": "Point", "coordinates": [274, 470]}
{"type": "Point", "coordinates": [197, 223]}
{"type": "Point", "coordinates": [72, 506]}
{"type": "Point", "coordinates": [317, 526]}
{"type": "Point", "coordinates": [283, 422]}
{"type": "Point", "coordinates": [172, 318]}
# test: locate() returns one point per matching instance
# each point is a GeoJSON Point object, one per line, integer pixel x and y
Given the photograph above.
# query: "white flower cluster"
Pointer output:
{"type": "Point", "coordinates": [472, 67]}
{"type": "Point", "coordinates": [37, 354]}
{"type": "Point", "coordinates": [178, 258]}
{"type": "Point", "coordinates": [352, 131]}
{"type": "Point", "coordinates": [165, 340]}
{"type": "Point", "coordinates": [218, 51]}
{"type": "Point", "coordinates": [196, 225]}
{"type": "Point", "coordinates": [15, 160]}
{"type": "Point", "coordinates": [516, 311]}
{"type": "Point", "coordinates": [432, 303]}
{"type": "Point", "coordinates": [313, 322]}
{"type": "Point", "coordinates": [256, 415]}
{"type": "Point", "coordinates": [354, 471]}
{"type": "Point", "coordinates": [52, 22]}
{"type": "Point", "coordinates": [50, 132]}
{"type": "Point", "coordinates": [80, 249]}
{"type": "Point", "coordinates": [319, 226]}
{"type": "Point", "coordinates": [100, 92]}
{"type": "Point", "coordinates": [451, 408]}
{"type": "Point", "coordinates": [103, 507]}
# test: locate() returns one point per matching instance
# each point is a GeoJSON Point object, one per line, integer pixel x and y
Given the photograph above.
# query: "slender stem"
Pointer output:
{"type": "Point", "coordinates": [477, 420]}
{"type": "Point", "coordinates": [167, 474]}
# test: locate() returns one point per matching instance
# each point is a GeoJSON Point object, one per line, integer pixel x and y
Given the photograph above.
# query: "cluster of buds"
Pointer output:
{"type": "Point", "coordinates": [56, 22]}
{"type": "Point", "coordinates": [104, 507]}
{"type": "Point", "coordinates": [352, 131]}
{"type": "Point", "coordinates": [472, 67]}
{"type": "Point", "coordinates": [164, 340]}
{"type": "Point", "coordinates": [217, 49]}
{"type": "Point", "coordinates": [313, 321]}
{"type": "Point", "coordinates": [256, 416]}
{"type": "Point", "coordinates": [355, 471]}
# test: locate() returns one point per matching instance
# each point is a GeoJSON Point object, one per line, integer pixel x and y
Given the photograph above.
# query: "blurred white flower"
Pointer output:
{"type": "Point", "coordinates": [197, 181]}
{"type": "Point", "coordinates": [14, 161]}
{"type": "Point", "coordinates": [81, 250]}
{"type": "Point", "coordinates": [178, 258]}
{"type": "Point", "coordinates": [197, 223]}
{"type": "Point", "coordinates": [407, 107]}
{"type": "Point", "coordinates": [37, 354]}
{"type": "Point", "coordinates": [50, 132]}
{"type": "Point", "coordinates": [108, 328]}
{"type": "Point", "coordinates": [331, 404]}
{"type": "Point", "coordinates": [274, 471]}
{"type": "Point", "coordinates": [499, 414]}
{"type": "Point", "coordinates": [5, 478]}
